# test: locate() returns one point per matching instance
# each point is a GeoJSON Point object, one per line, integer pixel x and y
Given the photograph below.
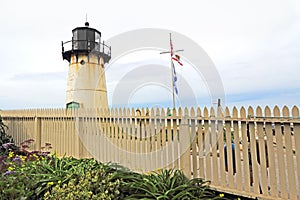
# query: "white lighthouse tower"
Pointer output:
{"type": "Point", "coordinates": [87, 54]}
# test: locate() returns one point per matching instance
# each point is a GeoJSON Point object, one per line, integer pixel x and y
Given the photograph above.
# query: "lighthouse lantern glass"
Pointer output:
{"type": "Point", "coordinates": [97, 37]}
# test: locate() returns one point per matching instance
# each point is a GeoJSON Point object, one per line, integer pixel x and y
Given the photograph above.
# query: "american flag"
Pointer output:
{"type": "Point", "coordinates": [176, 57]}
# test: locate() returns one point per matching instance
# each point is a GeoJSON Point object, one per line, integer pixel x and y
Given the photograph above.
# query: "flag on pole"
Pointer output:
{"type": "Point", "coordinates": [177, 59]}
{"type": "Point", "coordinates": [174, 78]}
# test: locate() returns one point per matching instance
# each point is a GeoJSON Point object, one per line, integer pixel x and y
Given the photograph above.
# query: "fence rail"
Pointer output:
{"type": "Point", "coordinates": [247, 152]}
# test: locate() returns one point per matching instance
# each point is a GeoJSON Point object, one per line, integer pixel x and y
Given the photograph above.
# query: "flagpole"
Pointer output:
{"type": "Point", "coordinates": [173, 84]}
{"type": "Point", "coordinates": [172, 74]}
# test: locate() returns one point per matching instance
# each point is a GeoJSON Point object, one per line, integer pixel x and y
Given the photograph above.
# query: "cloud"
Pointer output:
{"type": "Point", "coordinates": [38, 77]}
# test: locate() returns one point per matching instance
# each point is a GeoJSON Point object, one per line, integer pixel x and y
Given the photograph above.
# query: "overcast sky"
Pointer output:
{"type": "Point", "coordinates": [255, 44]}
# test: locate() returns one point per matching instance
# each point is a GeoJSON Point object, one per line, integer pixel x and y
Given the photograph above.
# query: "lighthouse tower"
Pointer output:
{"type": "Point", "coordinates": [86, 54]}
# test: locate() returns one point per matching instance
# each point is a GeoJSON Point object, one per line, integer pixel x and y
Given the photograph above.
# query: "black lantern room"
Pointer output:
{"type": "Point", "coordinates": [86, 40]}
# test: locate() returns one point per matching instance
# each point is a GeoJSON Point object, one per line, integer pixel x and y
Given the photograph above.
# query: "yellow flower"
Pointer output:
{"type": "Point", "coordinates": [10, 168]}
{"type": "Point", "coordinates": [221, 195]}
{"type": "Point", "coordinates": [11, 154]}
{"type": "Point", "coordinates": [59, 182]}
{"type": "Point", "coordinates": [23, 158]}
{"type": "Point", "coordinates": [50, 183]}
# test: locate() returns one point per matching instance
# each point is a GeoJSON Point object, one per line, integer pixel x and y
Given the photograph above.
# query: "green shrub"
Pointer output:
{"type": "Point", "coordinates": [90, 185]}
{"type": "Point", "coordinates": [6, 141]}
{"type": "Point", "coordinates": [167, 184]}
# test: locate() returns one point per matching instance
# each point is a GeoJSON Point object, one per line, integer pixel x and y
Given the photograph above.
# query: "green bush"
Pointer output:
{"type": "Point", "coordinates": [167, 184]}
{"type": "Point", "coordinates": [6, 141]}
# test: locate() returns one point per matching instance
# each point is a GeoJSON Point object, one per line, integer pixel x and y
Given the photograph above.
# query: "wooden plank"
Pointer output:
{"type": "Point", "coordinates": [221, 147]}
{"type": "Point", "coordinates": [193, 145]}
{"type": "Point", "coordinates": [129, 156]}
{"type": "Point", "coordinates": [185, 158]}
{"type": "Point", "coordinates": [280, 156]}
{"type": "Point", "coordinates": [169, 145]}
{"type": "Point", "coordinates": [175, 139]}
{"type": "Point", "coordinates": [207, 146]}
{"type": "Point", "coordinates": [99, 130]}
{"type": "Point", "coordinates": [159, 132]}
{"type": "Point", "coordinates": [153, 148]}
{"type": "Point", "coordinates": [143, 156]}
{"type": "Point", "coordinates": [295, 114]}
{"type": "Point", "coordinates": [229, 150]}
{"type": "Point", "coordinates": [289, 156]}
{"type": "Point", "coordinates": [200, 134]}
{"type": "Point", "coordinates": [271, 157]}
{"type": "Point", "coordinates": [214, 141]}
{"type": "Point", "coordinates": [121, 136]}
{"type": "Point", "coordinates": [262, 153]}
{"type": "Point", "coordinates": [237, 164]}
{"type": "Point", "coordinates": [134, 142]}
{"type": "Point", "coordinates": [147, 141]}
{"type": "Point", "coordinates": [108, 136]}
{"type": "Point", "coordinates": [120, 140]}
{"type": "Point", "coordinates": [163, 139]}
{"type": "Point", "coordinates": [253, 152]}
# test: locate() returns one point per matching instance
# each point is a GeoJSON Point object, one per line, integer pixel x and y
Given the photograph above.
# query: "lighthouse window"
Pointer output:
{"type": "Point", "coordinates": [97, 37]}
{"type": "Point", "coordinates": [75, 36]}
{"type": "Point", "coordinates": [73, 105]}
{"type": "Point", "coordinates": [81, 34]}
{"type": "Point", "coordinates": [82, 43]}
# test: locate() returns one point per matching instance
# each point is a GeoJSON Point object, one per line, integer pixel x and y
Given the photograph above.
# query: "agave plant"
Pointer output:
{"type": "Point", "coordinates": [167, 184]}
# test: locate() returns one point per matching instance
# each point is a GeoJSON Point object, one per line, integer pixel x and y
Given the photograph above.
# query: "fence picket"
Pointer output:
{"type": "Point", "coordinates": [280, 155]}
{"type": "Point", "coordinates": [214, 153]}
{"type": "Point", "coordinates": [206, 143]}
{"type": "Point", "coordinates": [237, 163]}
{"type": "Point", "coordinates": [184, 139]}
{"type": "Point", "coordinates": [262, 152]}
{"type": "Point", "coordinates": [296, 126]}
{"type": "Point", "coordinates": [193, 143]}
{"type": "Point", "coordinates": [152, 141]}
{"type": "Point", "coordinates": [175, 139]}
{"type": "Point", "coordinates": [271, 158]}
{"type": "Point", "coordinates": [221, 147]}
{"type": "Point", "coordinates": [128, 138]}
{"type": "Point", "coordinates": [163, 139]}
{"type": "Point", "coordinates": [289, 155]}
{"type": "Point", "coordinates": [169, 143]}
{"type": "Point", "coordinates": [159, 130]}
{"type": "Point", "coordinates": [229, 150]}
{"type": "Point", "coordinates": [254, 164]}
{"type": "Point", "coordinates": [200, 133]}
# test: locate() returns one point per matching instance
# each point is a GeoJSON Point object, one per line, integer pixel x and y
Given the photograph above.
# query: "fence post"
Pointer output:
{"type": "Point", "coordinates": [185, 142]}
{"type": "Point", "coordinates": [38, 132]}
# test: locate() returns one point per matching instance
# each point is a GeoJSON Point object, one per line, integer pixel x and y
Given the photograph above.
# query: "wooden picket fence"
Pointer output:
{"type": "Point", "coordinates": [245, 152]}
